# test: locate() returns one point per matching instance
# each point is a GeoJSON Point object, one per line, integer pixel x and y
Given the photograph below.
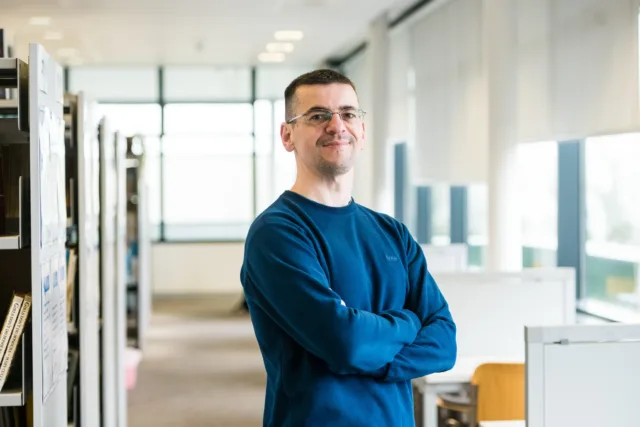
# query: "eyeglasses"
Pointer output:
{"type": "Point", "coordinates": [317, 117]}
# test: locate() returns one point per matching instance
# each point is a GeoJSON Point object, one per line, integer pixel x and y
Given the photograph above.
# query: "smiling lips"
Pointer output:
{"type": "Point", "coordinates": [335, 143]}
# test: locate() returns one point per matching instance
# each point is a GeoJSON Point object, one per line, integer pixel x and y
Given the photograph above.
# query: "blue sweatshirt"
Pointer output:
{"type": "Point", "coordinates": [345, 313]}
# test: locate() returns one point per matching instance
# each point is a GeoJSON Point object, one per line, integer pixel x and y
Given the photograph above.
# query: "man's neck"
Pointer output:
{"type": "Point", "coordinates": [335, 192]}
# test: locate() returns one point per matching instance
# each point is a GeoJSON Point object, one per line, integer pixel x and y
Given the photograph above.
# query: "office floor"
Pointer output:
{"type": "Point", "coordinates": [202, 368]}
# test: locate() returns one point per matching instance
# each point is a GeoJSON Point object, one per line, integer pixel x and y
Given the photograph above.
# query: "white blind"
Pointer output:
{"type": "Point", "coordinates": [207, 83]}
{"type": "Point", "coordinates": [451, 107]}
{"type": "Point", "coordinates": [356, 70]}
{"type": "Point", "coordinates": [399, 60]}
{"type": "Point", "coordinates": [534, 101]}
{"type": "Point", "coordinates": [116, 83]}
{"type": "Point", "coordinates": [577, 76]}
{"type": "Point", "coordinates": [595, 56]}
{"type": "Point", "coordinates": [578, 68]}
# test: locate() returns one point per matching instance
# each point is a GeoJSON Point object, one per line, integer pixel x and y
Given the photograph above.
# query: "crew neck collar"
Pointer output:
{"type": "Point", "coordinates": [299, 198]}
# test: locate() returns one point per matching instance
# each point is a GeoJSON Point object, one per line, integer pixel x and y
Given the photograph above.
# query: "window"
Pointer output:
{"type": "Point", "coordinates": [131, 119]}
{"type": "Point", "coordinates": [272, 80]}
{"type": "Point", "coordinates": [152, 178]}
{"type": "Point", "coordinates": [116, 84]}
{"type": "Point", "coordinates": [478, 222]}
{"type": "Point", "coordinates": [538, 166]}
{"type": "Point", "coordinates": [208, 187]}
{"type": "Point", "coordinates": [284, 162]}
{"type": "Point", "coordinates": [263, 110]}
{"type": "Point", "coordinates": [144, 120]}
{"type": "Point", "coordinates": [613, 229]}
{"type": "Point", "coordinates": [213, 160]}
{"type": "Point", "coordinates": [208, 171]}
{"type": "Point", "coordinates": [441, 194]}
{"type": "Point", "coordinates": [208, 118]}
{"type": "Point", "coordinates": [613, 193]}
{"type": "Point", "coordinates": [207, 84]}
{"type": "Point", "coordinates": [478, 214]}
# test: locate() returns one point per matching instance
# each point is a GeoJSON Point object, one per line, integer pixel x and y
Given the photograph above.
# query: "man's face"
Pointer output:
{"type": "Point", "coordinates": [327, 146]}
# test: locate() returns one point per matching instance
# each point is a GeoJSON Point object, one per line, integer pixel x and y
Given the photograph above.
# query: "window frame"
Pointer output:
{"type": "Point", "coordinates": [267, 153]}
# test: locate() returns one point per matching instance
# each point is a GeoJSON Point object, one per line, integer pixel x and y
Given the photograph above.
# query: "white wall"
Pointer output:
{"type": "Point", "coordinates": [196, 268]}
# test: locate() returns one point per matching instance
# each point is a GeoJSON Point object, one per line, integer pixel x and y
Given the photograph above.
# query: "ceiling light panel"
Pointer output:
{"type": "Point", "coordinates": [284, 47]}
{"type": "Point", "coordinates": [288, 35]}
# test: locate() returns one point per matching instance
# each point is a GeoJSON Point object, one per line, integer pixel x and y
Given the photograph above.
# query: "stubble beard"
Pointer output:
{"type": "Point", "coordinates": [330, 169]}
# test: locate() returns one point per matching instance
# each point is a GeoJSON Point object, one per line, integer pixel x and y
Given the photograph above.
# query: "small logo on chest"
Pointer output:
{"type": "Point", "coordinates": [391, 258]}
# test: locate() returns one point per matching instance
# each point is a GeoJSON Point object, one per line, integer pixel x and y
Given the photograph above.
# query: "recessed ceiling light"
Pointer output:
{"type": "Point", "coordinates": [40, 20]}
{"type": "Point", "coordinates": [280, 47]}
{"type": "Point", "coordinates": [288, 35]}
{"type": "Point", "coordinates": [271, 57]}
{"type": "Point", "coordinates": [53, 35]}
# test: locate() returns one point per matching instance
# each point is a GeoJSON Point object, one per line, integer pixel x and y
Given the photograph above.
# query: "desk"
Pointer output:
{"type": "Point", "coordinates": [449, 382]}
{"type": "Point", "coordinates": [519, 423]}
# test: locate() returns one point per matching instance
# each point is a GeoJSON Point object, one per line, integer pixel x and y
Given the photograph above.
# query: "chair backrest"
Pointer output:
{"type": "Point", "coordinates": [500, 391]}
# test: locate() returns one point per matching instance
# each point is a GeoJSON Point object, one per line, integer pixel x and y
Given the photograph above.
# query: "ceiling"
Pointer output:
{"type": "Point", "coordinates": [188, 31]}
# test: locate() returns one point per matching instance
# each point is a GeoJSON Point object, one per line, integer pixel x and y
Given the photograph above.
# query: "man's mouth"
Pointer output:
{"type": "Point", "coordinates": [335, 143]}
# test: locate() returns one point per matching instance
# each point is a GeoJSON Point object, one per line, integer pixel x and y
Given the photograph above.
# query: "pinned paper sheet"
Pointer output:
{"type": "Point", "coordinates": [53, 209]}
{"type": "Point", "coordinates": [54, 325]}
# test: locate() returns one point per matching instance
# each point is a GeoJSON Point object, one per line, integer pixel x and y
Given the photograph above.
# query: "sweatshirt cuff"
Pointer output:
{"type": "Point", "coordinates": [414, 318]}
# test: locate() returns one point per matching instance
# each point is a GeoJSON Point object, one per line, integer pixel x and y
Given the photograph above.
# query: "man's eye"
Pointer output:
{"type": "Point", "coordinates": [349, 116]}
{"type": "Point", "coordinates": [318, 117]}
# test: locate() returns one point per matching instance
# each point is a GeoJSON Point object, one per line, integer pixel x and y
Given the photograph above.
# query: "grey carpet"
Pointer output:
{"type": "Point", "coordinates": [202, 367]}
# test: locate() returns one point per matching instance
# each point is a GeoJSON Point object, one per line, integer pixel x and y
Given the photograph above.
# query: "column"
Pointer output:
{"type": "Point", "coordinates": [458, 226]}
{"type": "Point", "coordinates": [399, 181]}
{"type": "Point", "coordinates": [571, 208]}
{"type": "Point", "coordinates": [504, 251]}
{"type": "Point", "coordinates": [376, 120]}
{"type": "Point", "coordinates": [423, 215]}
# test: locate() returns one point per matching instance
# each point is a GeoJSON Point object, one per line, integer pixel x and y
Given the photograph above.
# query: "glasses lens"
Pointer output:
{"type": "Point", "coordinates": [319, 117]}
{"type": "Point", "coordinates": [350, 116]}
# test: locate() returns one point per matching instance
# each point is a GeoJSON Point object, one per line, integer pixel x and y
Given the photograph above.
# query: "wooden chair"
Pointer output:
{"type": "Point", "coordinates": [497, 393]}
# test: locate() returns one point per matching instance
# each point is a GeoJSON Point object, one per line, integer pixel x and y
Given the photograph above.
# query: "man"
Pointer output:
{"type": "Point", "coordinates": [343, 306]}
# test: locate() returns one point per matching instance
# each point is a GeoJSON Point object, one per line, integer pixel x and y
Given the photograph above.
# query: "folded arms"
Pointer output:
{"type": "Point", "coordinates": [394, 345]}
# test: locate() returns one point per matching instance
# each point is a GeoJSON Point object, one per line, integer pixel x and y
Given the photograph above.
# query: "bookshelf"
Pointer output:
{"type": "Point", "coordinates": [83, 207]}
{"type": "Point", "coordinates": [112, 275]}
{"type": "Point", "coordinates": [120, 145]}
{"type": "Point", "coordinates": [33, 235]}
{"type": "Point", "coordinates": [138, 244]}
{"type": "Point", "coordinates": [71, 183]}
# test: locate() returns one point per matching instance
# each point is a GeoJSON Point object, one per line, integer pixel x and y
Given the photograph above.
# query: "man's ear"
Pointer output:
{"type": "Point", "coordinates": [285, 136]}
{"type": "Point", "coordinates": [363, 137]}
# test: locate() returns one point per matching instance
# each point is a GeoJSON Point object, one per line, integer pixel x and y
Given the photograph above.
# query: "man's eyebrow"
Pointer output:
{"type": "Point", "coordinates": [318, 107]}
{"type": "Point", "coordinates": [323, 108]}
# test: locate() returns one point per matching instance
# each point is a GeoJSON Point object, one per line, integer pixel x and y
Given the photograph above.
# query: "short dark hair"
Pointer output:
{"type": "Point", "coordinates": [317, 77]}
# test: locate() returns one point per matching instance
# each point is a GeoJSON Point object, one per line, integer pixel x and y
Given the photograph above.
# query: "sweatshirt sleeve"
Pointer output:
{"type": "Point", "coordinates": [434, 349]}
{"type": "Point", "coordinates": [282, 275]}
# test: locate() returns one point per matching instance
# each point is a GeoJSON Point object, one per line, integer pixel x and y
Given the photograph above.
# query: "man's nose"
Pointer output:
{"type": "Point", "coordinates": [336, 125]}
